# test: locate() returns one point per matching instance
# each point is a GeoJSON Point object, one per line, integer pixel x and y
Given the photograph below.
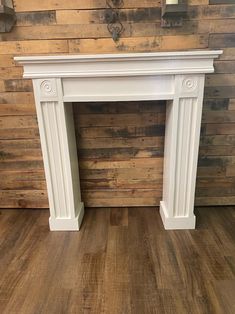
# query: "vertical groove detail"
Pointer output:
{"type": "Point", "coordinates": [55, 158]}
{"type": "Point", "coordinates": [51, 156]}
{"type": "Point", "coordinates": [179, 158]}
{"type": "Point", "coordinates": [184, 156]}
{"type": "Point", "coordinates": [59, 135]}
{"type": "Point", "coordinates": [48, 168]}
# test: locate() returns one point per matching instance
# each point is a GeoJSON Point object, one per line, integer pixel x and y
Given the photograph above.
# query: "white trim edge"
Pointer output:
{"type": "Point", "coordinates": [176, 223]}
{"type": "Point", "coordinates": [67, 224]}
{"type": "Point", "coordinates": [110, 65]}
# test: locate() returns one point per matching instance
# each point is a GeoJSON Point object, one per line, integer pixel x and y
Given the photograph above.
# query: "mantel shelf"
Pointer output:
{"type": "Point", "coordinates": [183, 62]}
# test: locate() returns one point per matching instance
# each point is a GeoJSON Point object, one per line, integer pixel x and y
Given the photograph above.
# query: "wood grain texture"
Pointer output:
{"type": "Point", "coordinates": [120, 146]}
{"type": "Point", "coordinates": [120, 152]}
{"type": "Point", "coordinates": [122, 261]}
{"type": "Point", "coordinates": [31, 5]}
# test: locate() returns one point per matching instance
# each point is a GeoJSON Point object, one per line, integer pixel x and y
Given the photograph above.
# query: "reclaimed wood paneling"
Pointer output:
{"type": "Point", "coordinates": [120, 149]}
{"type": "Point", "coordinates": [33, 47]}
{"type": "Point", "coordinates": [221, 1]}
{"type": "Point", "coordinates": [120, 145]}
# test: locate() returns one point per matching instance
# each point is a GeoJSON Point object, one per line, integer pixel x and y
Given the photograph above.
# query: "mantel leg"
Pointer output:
{"type": "Point", "coordinates": [181, 153]}
{"type": "Point", "coordinates": [55, 120]}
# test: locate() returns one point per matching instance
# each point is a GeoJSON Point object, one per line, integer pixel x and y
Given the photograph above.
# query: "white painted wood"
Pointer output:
{"type": "Point", "coordinates": [56, 126]}
{"type": "Point", "coordinates": [132, 64]}
{"type": "Point", "coordinates": [182, 135]}
{"type": "Point", "coordinates": [176, 76]}
{"type": "Point", "coordinates": [115, 89]}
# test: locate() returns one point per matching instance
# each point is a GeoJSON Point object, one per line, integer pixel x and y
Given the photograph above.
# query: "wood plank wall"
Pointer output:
{"type": "Point", "coordinates": [61, 27]}
{"type": "Point", "coordinates": [120, 149]}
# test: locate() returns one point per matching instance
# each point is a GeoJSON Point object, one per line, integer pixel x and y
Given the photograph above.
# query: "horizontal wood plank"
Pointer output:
{"type": "Point", "coordinates": [138, 44]}
{"type": "Point", "coordinates": [220, 79]}
{"type": "Point", "coordinates": [23, 199]}
{"type": "Point", "coordinates": [33, 47]}
{"type": "Point", "coordinates": [221, 40]}
{"type": "Point", "coordinates": [43, 5]}
{"type": "Point", "coordinates": [36, 18]}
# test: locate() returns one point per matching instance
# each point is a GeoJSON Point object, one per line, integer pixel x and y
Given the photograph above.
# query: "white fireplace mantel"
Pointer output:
{"type": "Point", "coordinates": [177, 77]}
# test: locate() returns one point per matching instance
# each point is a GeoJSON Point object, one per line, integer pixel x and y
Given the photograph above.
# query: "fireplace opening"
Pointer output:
{"type": "Point", "coordinates": [120, 152]}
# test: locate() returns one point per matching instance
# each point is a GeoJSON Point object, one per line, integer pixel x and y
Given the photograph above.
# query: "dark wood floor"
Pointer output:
{"type": "Point", "coordinates": [122, 261]}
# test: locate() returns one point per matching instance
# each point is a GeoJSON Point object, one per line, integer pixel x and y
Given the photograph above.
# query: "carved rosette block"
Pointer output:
{"type": "Point", "coordinates": [190, 86]}
{"type": "Point", "coordinates": [48, 88]}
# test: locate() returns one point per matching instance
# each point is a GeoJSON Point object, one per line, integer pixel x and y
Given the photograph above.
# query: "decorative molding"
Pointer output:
{"type": "Point", "coordinates": [48, 88]}
{"type": "Point", "coordinates": [65, 224]}
{"type": "Point", "coordinates": [177, 77]}
{"type": "Point", "coordinates": [110, 65]}
{"type": "Point", "coordinates": [115, 89]}
{"type": "Point", "coordinates": [189, 84]}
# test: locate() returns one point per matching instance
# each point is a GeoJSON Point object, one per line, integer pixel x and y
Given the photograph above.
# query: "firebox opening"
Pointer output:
{"type": "Point", "coordinates": [120, 151]}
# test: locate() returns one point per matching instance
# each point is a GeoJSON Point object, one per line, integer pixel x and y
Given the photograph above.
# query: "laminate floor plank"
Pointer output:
{"type": "Point", "coordinates": [122, 261]}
